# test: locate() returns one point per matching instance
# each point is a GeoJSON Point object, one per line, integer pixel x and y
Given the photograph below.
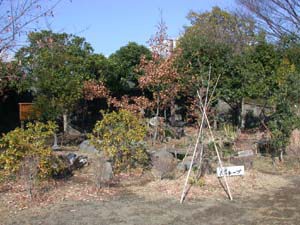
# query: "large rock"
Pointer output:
{"type": "Point", "coordinates": [245, 153]}
{"type": "Point", "coordinates": [162, 155]}
{"type": "Point", "coordinates": [76, 162]}
{"type": "Point", "coordinates": [87, 147]}
{"type": "Point", "coordinates": [103, 172]}
{"type": "Point", "coordinates": [163, 164]}
{"type": "Point", "coordinates": [66, 164]}
{"type": "Point", "coordinates": [185, 164]}
{"type": "Point", "coordinates": [182, 166]}
{"type": "Point", "coordinates": [72, 131]}
{"type": "Point", "coordinates": [246, 161]}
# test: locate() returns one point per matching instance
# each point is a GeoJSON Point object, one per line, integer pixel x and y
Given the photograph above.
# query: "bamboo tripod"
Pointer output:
{"type": "Point", "coordinates": [204, 119]}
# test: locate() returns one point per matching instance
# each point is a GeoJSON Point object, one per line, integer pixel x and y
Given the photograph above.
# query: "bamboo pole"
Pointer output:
{"type": "Point", "coordinates": [193, 158]}
{"type": "Point", "coordinates": [215, 146]}
{"type": "Point", "coordinates": [203, 108]}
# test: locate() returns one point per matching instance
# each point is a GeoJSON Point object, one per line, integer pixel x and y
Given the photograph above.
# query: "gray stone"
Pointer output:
{"type": "Point", "coordinates": [79, 162]}
{"type": "Point", "coordinates": [107, 173]}
{"type": "Point", "coordinates": [103, 172]}
{"type": "Point", "coordinates": [72, 131]}
{"type": "Point", "coordinates": [245, 153]}
{"type": "Point", "coordinates": [185, 164]}
{"type": "Point", "coordinates": [87, 147]}
{"type": "Point", "coordinates": [246, 161]}
{"type": "Point", "coordinates": [71, 157]}
{"type": "Point", "coordinates": [162, 154]}
{"type": "Point", "coordinates": [182, 167]}
{"type": "Point", "coordinates": [163, 164]}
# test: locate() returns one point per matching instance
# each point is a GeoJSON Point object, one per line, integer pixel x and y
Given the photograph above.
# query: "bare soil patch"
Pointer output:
{"type": "Point", "coordinates": [265, 195]}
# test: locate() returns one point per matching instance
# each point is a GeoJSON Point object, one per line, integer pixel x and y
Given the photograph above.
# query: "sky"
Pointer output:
{"type": "Point", "coordinates": [110, 24]}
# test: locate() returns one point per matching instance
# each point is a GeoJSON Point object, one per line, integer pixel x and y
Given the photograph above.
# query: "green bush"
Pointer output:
{"type": "Point", "coordinates": [27, 143]}
{"type": "Point", "coordinates": [281, 125]}
{"type": "Point", "coordinates": [120, 135]}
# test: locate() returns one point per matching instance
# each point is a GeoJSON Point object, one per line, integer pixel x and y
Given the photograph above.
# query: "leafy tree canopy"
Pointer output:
{"type": "Point", "coordinates": [124, 61]}
{"type": "Point", "coordinates": [54, 64]}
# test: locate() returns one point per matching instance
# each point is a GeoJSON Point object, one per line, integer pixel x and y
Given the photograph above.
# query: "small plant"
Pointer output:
{"type": "Point", "coordinates": [230, 132]}
{"type": "Point", "coordinates": [120, 135]}
{"type": "Point", "coordinates": [197, 181]}
{"type": "Point", "coordinates": [21, 144]}
{"type": "Point", "coordinates": [281, 125]}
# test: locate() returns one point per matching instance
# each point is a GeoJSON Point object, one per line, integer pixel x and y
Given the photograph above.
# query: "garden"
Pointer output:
{"type": "Point", "coordinates": [153, 128]}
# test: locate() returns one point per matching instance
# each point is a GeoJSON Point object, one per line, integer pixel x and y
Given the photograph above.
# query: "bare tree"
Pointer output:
{"type": "Point", "coordinates": [17, 18]}
{"type": "Point", "coordinates": [279, 17]}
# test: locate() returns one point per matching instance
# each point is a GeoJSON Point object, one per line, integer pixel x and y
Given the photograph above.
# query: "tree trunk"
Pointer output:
{"type": "Point", "coordinates": [237, 117]}
{"type": "Point", "coordinates": [242, 115]}
{"type": "Point", "coordinates": [65, 122]}
{"type": "Point", "coordinates": [156, 124]}
{"type": "Point", "coordinates": [281, 156]}
{"type": "Point", "coordinates": [172, 112]}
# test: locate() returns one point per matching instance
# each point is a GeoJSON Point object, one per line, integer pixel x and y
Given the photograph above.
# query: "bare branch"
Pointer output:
{"type": "Point", "coordinates": [279, 17]}
{"type": "Point", "coordinates": [17, 15]}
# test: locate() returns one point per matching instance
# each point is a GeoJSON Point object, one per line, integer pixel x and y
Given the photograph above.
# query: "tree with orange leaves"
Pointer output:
{"type": "Point", "coordinates": [160, 75]}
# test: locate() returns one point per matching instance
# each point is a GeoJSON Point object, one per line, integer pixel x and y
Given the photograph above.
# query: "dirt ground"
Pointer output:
{"type": "Point", "coordinates": [259, 198]}
{"type": "Point", "coordinates": [278, 207]}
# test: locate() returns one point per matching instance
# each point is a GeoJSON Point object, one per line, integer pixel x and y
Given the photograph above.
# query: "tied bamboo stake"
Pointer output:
{"type": "Point", "coordinates": [193, 158]}
{"type": "Point", "coordinates": [184, 191]}
{"type": "Point", "coordinates": [216, 148]}
{"type": "Point", "coordinates": [203, 108]}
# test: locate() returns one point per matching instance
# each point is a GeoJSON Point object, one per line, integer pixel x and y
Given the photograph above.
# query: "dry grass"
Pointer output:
{"type": "Point", "coordinates": [252, 183]}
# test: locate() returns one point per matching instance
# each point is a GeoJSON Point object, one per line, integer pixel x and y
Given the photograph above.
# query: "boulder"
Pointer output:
{"type": "Point", "coordinates": [245, 153]}
{"type": "Point", "coordinates": [163, 164]}
{"type": "Point", "coordinates": [71, 157]}
{"type": "Point", "coordinates": [66, 164]}
{"type": "Point", "coordinates": [79, 162]}
{"type": "Point", "coordinates": [162, 155]}
{"type": "Point", "coordinates": [106, 171]}
{"type": "Point", "coordinates": [103, 172]}
{"type": "Point", "coordinates": [182, 166]}
{"type": "Point", "coordinates": [76, 162]}
{"type": "Point", "coordinates": [246, 161]}
{"type": "Point", "coordinates": [185, 164]}
{"type": "Point", "coordinates": [86, 146]}
{"type": "Point", "coordinates": [72, 131]}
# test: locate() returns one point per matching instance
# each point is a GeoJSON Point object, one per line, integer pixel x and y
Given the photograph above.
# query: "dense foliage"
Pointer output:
{"type": "Point", "coordinates": [120, 135]}
{"type": "Point", "coordinates": [60, 70]}
{"type": "Point", "coordinates": [54, 68]}
{"type": "Point", "coordinates": [27, 143]}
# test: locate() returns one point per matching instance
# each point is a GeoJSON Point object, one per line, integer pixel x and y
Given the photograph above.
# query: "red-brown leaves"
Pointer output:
{"type": "Point", "coordinates": [136, 105]}
{"type": "Point", "coordinates": [160, 74]}
{"type": "Point", "coordinates": [94, 89]}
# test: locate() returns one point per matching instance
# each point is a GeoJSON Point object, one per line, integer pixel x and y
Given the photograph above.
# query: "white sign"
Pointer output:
{"type": "Point", "coordinates": [231, 171]}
